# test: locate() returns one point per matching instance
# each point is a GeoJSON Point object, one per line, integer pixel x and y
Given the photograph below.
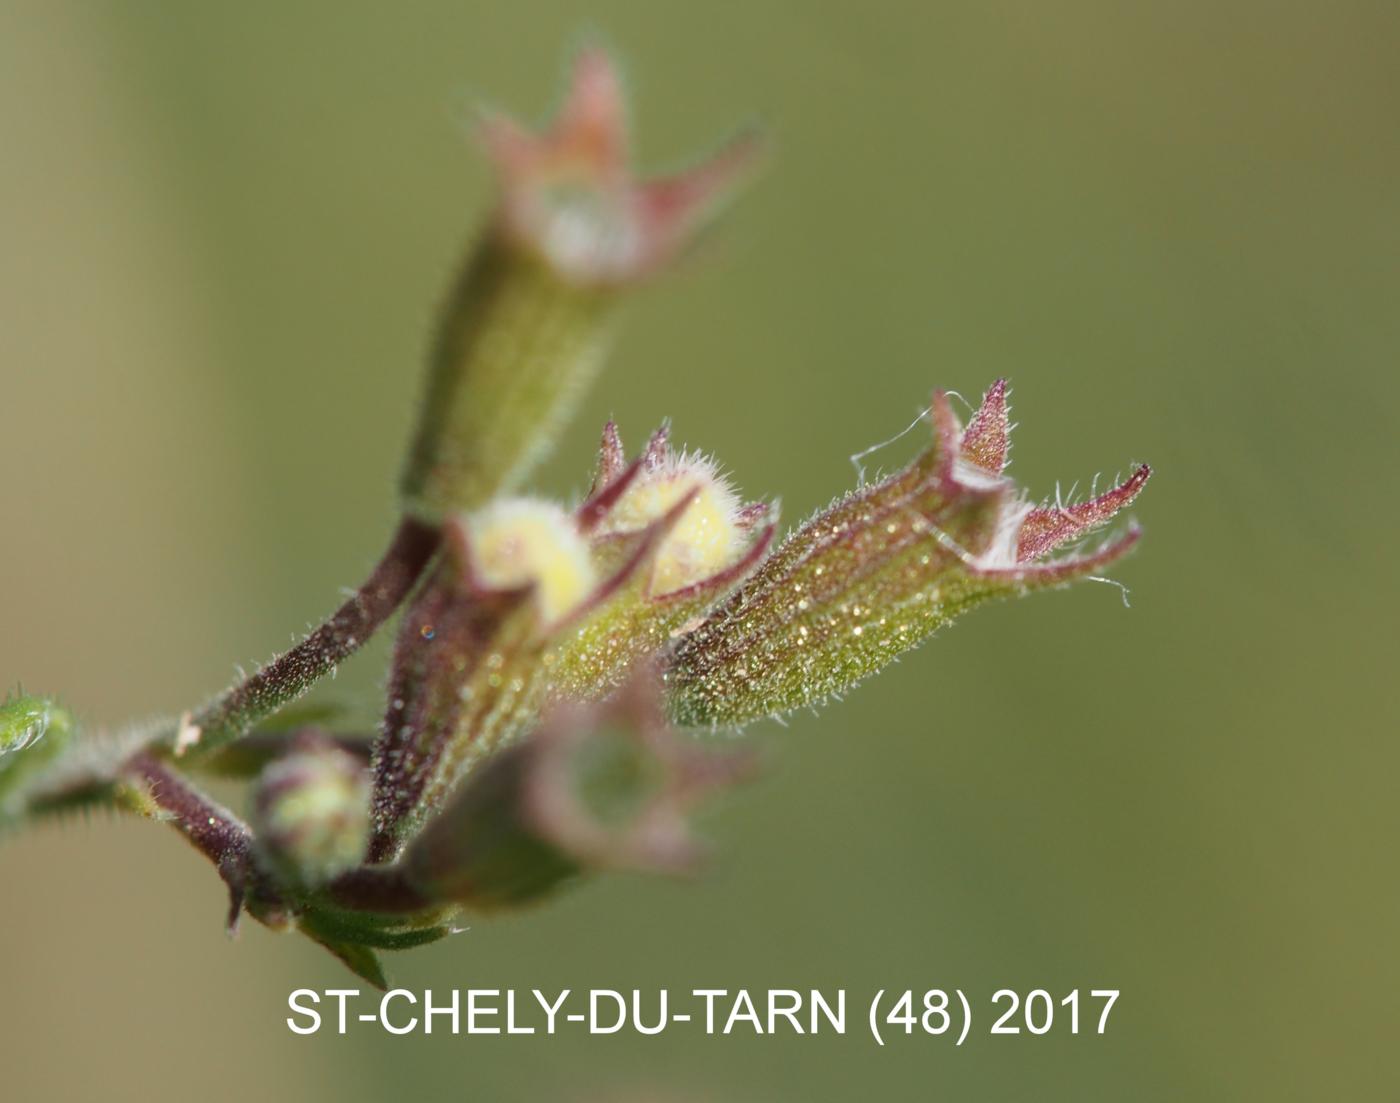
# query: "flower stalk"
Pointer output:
{"type": "Point", "coordinates": [150, 787]}
{"type": "Point", "coordinates": [244, 705]}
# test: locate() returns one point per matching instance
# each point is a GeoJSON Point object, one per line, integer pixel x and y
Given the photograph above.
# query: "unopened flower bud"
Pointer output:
{"type": "Point", "coordinates": [695, 538]}
{"type": "Point", "coordinates": [592, 789]}
{"type": "Point", "coordinates": [527, 324]}
{"type": "Point", "coordinates": [468, 671]}
{"type": "Point", "coordinates": [522, 543]}
{"type": "Point", "coordinates": [703, 540]}
{"type": "Point", "coordinates": [880, 570]}
{"type": "Point", "coordinates": [311, 811]}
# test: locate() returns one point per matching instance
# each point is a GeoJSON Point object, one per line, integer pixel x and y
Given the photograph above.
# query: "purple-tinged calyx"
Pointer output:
{"type": "Point", "coordinates": [471, 658]}
{"type": "Point", "coordinates": [595, 788]}
{"type": "Point", "coordinates": [570, 195]}
{"type": "Point", "coordinates": [881, 569]}
{"type": "Point", "coordinates": [694, 540]}
{"type": "Point", "coordinates": [527, 324]}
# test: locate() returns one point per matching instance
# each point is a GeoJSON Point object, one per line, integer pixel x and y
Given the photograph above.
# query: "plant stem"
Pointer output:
{"type": "Point", "coordinates": [292, 673]}
{"type": "Point", "coordinates": [211, 829]}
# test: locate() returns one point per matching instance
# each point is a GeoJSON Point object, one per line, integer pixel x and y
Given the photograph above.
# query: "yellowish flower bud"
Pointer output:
{"type": "Point", "coordinates": [311, 811]}
{"type": "Point", "coordinates": [677, 518]}
{"type": "Point", "coordinates": [470, 665]}
{"type": "Point", "coordinates": [520, 542]}
{"type": "Point", "coordinates": [704, 541]}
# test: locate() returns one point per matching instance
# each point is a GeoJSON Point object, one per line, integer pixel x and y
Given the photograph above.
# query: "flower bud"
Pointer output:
{"type": "Point", "coordinates": [695, 539]}
{"type": "Point", "coordinates": [469, 668]}
{"type": "Point", "coordinates": [593, 789]}
{"type": "Point", "coordinates": [524, 544]}
{"type": "Point", "coordinates": [526, 326]}
{"type": "Point", "coordinates": [704, 539]}
{"type": "Point", "coordinates": [880, 570]}
{"type": "Point", "coordinates": [311, 811]}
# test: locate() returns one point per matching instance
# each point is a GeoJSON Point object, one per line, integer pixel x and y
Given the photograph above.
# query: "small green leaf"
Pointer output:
{"type": "Point", "coordinates": [34, 731]}
{"type": "Point", "coordinates": [360, 960]}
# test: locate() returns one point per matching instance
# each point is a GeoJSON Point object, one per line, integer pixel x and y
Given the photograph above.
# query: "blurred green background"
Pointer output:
{"type": "Point", "coordinates": [1175, 226]}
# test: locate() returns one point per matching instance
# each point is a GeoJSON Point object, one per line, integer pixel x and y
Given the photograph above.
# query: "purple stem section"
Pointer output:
{"type": "Point", "coordinates": [294, 672]}
{"type": "Point", "coordinates": [210, 828]}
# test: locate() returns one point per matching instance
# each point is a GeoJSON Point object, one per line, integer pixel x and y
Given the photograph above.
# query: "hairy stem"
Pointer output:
{"type": "Point", "coordinates": [219, 835]}
{"type": "Point", "coordinates": [292, 673]}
